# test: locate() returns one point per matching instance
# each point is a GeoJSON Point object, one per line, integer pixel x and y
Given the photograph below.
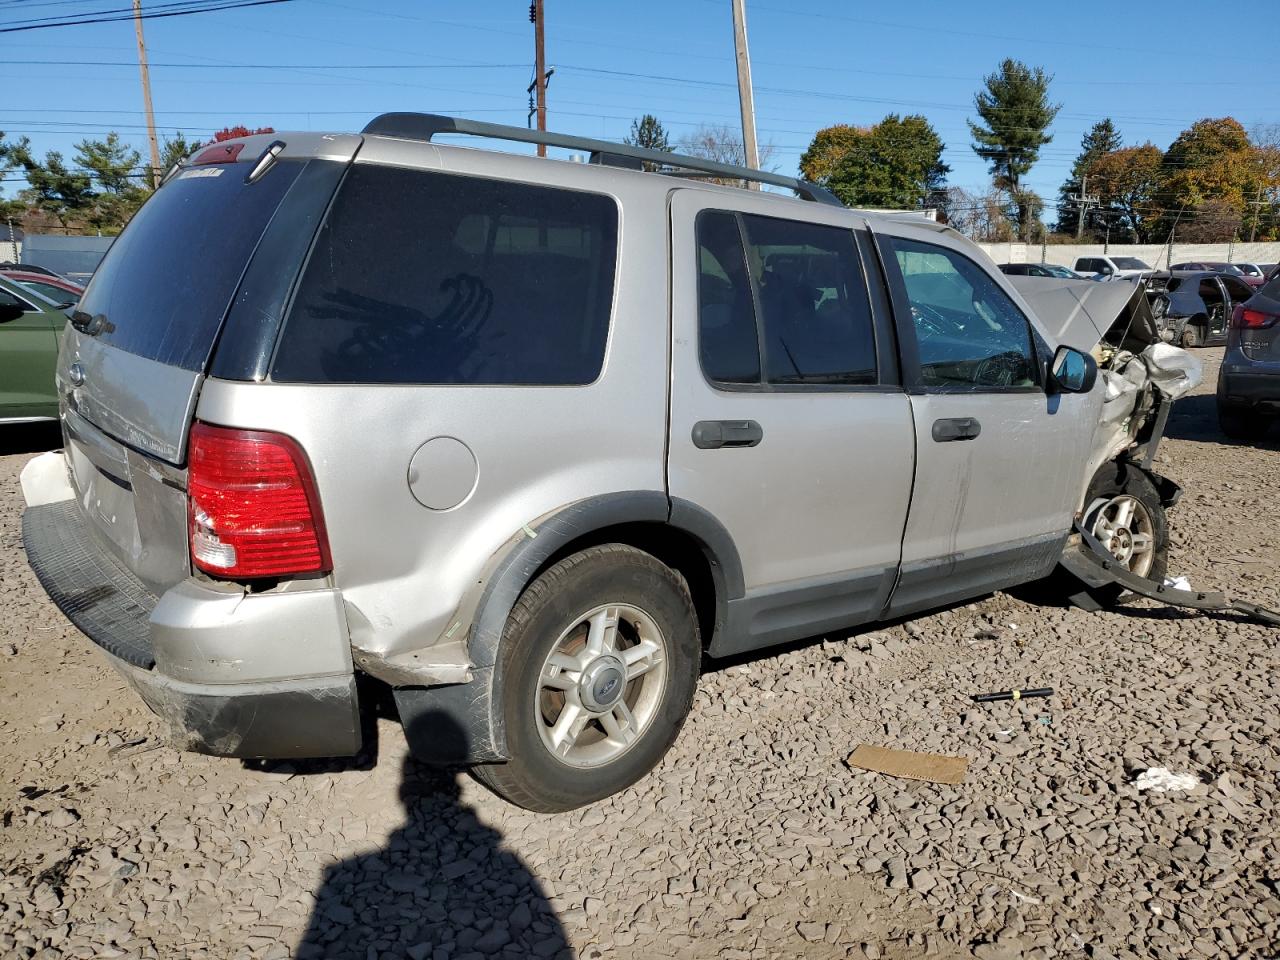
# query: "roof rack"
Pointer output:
{"type": "Point", "coordinates": [424, 126]}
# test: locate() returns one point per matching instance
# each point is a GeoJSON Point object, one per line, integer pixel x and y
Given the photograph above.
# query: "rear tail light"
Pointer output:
{"type": "Point", "coordinates": [252, 508]}
{"type": "Point", "coordinates": [1245, 318]}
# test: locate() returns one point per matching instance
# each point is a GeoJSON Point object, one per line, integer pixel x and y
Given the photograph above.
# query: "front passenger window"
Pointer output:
{"type": "Point", "coordinates": [969, 333]}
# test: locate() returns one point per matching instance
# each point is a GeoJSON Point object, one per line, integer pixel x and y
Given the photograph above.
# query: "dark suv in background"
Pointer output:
{"type": "Point", "coordinates": [1249, 379]}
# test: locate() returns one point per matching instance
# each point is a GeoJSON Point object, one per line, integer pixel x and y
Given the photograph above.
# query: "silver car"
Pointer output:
{"type": "Point", "coordinates": [523, 440]}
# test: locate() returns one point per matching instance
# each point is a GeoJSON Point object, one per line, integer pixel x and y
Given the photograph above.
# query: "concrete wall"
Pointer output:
{"type": "Point", "coordinates": [1156, 254]}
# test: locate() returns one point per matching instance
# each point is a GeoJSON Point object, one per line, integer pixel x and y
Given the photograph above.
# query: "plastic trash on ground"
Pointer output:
{"type": "Point", "coordinates": [1162, 780]}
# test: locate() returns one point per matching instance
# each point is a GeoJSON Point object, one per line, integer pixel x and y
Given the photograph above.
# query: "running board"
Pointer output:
{"type": "Point", "coordinates": [1090, 562]}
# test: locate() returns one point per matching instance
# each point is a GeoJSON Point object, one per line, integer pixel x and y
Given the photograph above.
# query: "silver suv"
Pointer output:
{"type": "Point", "coordinates": [522, 440]}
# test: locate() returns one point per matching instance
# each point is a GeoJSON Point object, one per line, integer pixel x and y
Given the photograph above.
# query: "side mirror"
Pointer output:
{"type": "Point", "coordinates": [10, 311]}
{"type": "Point", "coordinates": [1072, 371]}
{"type": "Point", "coordinates": [1107, 270]}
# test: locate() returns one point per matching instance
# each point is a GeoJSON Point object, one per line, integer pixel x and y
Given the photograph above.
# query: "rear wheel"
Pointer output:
{"type": "Point", "coordinates": [1124, 513]}
{"type": "Point", "coordinates": [1192, 335]}
{"type": "Point", "coordinates": [1242, 424]}
{"type": "Point", "coordinates": [598, 667]}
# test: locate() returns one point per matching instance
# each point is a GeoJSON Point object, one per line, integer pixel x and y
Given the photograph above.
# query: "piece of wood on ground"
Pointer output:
{"type": "Point", "coordinates": [932, 767]}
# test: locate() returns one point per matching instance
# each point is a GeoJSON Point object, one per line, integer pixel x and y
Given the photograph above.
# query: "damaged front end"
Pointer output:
{"type": "Point", "coordinates": [1141, 375]}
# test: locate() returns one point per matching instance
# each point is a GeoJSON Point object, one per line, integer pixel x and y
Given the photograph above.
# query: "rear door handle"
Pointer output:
{"type": "Point", "coordinates": [714, 434]}
{"type": "Point", "coordinates": [956, 428]}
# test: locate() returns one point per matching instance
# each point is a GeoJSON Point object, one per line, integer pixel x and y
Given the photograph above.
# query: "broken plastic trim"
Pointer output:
{"type": "Point", "coordinates": [1090, 562]}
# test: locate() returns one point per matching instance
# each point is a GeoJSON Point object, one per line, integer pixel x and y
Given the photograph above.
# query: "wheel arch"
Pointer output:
{"type": "Point", "coordinates": [682, 535]}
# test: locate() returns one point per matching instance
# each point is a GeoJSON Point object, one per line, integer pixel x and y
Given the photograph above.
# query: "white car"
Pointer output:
{"type": "Point", "coordinates": [1113, 268]}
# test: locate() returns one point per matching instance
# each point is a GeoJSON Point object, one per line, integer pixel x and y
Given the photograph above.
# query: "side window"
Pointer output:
{"type": "Point", "coordinates": [969, 333]}
{"type": "Point", "coordinates": [814, 310]}
{"type": "Point", "coordinates": [728, 344]}
{"type": "Point", "coordinates": [8, 298]}
{"type": "Point", "coordinates": [435, 278]}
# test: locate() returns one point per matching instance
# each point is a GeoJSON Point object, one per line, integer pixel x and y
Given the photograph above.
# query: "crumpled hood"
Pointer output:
{"type": "Point", "coordinates": [1080, 313]}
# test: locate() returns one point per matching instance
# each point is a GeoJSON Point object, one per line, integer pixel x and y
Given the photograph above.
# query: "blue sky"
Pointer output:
{"type": "Point", "coordinates": [814, 63]}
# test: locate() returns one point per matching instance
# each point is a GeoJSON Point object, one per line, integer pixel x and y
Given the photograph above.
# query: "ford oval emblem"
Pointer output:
{"type": "Point", "coordinates": [75, 373]}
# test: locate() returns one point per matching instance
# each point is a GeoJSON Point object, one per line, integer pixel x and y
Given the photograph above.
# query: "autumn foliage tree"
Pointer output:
{"type": "Point", "coordinates": [1127, 184]}
{"type": "Point", "coordinates": [895, 164]}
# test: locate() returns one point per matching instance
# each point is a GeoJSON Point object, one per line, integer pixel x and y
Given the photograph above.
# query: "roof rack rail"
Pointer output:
{"type": "Point", "coordinates": [424, 126]}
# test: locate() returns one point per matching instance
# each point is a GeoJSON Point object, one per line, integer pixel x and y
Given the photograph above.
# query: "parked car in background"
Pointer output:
{"type": "Point", "coordinates": [1199, 304]}
{"type": "Point", "coordinates": [1227, 269]}
{"type": "Point", "coordinates": [1269, 270]}
{"type": "Point", "coordinates": [1040, 270]}
{"type": "Point", "coordinates": [60, 290]}
{"type": "Point", "coordinates": [30, 328]}
{"type": "Point", "coordinates": [1252, 270]}
{"type": "Point", "coordinates": [1113, 268]}
{"type": "Point", "coordinates": [1249, 378]}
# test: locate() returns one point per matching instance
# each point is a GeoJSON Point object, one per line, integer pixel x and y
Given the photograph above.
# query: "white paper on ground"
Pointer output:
{"type": "Point", "coordinates": [1161, 780]}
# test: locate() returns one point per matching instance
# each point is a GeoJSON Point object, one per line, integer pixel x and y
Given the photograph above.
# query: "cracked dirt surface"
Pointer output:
{"type": "Point", "coordinates": [753, 839]}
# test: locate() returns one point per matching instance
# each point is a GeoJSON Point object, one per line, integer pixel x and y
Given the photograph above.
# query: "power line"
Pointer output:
{"type": "Point", "coordinates": [182, 9]}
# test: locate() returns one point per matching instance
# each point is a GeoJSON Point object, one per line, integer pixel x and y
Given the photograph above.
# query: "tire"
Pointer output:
{"type": "Point", "coordinates": [543, 701]}
{"type": "Point", "coordinates": [1192, 336]}
{"type": "Point", "coordinates": [1112, 482]}
{"type": "Point", "coordinates": [1242, 424]}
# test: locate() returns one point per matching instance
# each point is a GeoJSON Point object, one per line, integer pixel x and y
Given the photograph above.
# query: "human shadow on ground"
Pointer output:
{"type": "Point", "coordinates": [443, 886]}
{"type": "Point", "coordinates": [1196, 418]}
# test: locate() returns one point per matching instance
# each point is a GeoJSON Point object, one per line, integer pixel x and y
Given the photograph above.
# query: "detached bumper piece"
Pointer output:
{"type": "Point", "coordinates": [1090, 562]}
{"type": "Point", "coordinates": [275, 719]}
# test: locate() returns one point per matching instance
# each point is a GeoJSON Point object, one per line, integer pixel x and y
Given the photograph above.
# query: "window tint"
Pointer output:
{"type": "Point", "coordinates": [813, 302]}
{"type": "Point", "coordinates": [968, 331]}
{"type": "Point", "coordinates": [48, 290]}
{"type": "Point", "coordinates": [1238, 290]}
{"type": "Point", "coordinates": [165, 284]}
{"type": "Point", "coordinates": [434, 278]}
{"type": "Point", "coordinates": [727, 341]}
{"type": "Point", "coordinates": [8, 298]}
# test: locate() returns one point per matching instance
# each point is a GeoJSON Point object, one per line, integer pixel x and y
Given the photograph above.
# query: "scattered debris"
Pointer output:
{"type": "Point", "coordinates": [1012, 695]}
{"type": "Point", "coordinates": [931, 767]}
{"type": "Point", "coordinates": [1178, 583]}
{"type": "Point", "coordinates": [1161, 780]}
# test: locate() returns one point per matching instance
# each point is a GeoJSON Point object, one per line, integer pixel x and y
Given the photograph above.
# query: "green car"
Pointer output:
{"type": "Point", "coordinates": [30, 329]}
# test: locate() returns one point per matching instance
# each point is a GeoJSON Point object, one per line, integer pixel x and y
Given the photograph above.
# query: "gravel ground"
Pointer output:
{"type": "Point", "coordinates": [754, 839]}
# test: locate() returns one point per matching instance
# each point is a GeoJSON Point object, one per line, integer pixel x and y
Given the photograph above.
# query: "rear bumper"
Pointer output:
{"type": "Point", "coordinates": [234, 674]}
{"type": "Point", "coordinates": [1252, 391]}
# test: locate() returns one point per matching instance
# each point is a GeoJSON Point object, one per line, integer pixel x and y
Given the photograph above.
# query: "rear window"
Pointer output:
{"type": "Point", "coordinates": [164, 285]}
{"type": "Point", "coordinates": [1130, 263]}
{"type": "Point", "coordinates": [434, 278]}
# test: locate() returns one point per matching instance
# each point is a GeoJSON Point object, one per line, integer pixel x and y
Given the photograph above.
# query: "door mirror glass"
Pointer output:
{"type": "Point", "coordinates": [1073, 371]}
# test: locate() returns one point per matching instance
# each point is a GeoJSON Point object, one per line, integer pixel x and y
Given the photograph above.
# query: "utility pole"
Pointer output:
{"type": "Point", "coordinates": [1083, 202]}
{"type": "Point", "coordinates": [540, 68]}
{"type": "Point", "coordinates": [156, 172]}
{"type": "Point", "coordinates": [1259, 204]}
{"type": "Point", "coordinates": [750, 152]}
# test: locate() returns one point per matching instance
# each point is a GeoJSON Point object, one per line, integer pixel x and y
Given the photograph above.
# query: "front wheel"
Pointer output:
{"type": "Point", "coordinates": [597, 671]}
{"type": "Point", "coordinates": [1122, 510]}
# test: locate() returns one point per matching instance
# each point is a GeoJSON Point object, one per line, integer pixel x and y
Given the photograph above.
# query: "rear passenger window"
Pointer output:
{"type": "Point", "coordinates": [794, 290]}
{"type": "Point", "coordinates": [434, 278]}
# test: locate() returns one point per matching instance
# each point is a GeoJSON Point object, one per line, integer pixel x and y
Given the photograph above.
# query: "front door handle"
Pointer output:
{"type": "Point", "coordinates": [956, 428]}
{"type": "Point", "coordinates": [714, 434]}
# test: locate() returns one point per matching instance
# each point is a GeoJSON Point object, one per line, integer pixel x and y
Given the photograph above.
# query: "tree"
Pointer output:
{"type": "Point", "coordinates": [174, 149]}
{"type": "Point", "coordinates": [231, 133]}
{"type": "Point", "coordinates": [896, 164]}
{"type": "Point", "coordinates": [982, 218]}
{"type": "Point", "coordinates": [114, 167]}
{"type": "Point", "coordinates": [1210, 160]}
{"type": "Point", "coordinates": [52, 187]}
{"type": "Point", "coordinates": [721, 144]}
{"type": "Point", "coordinates": [1101, 139]}
{"type": "Point", "coordinates": [828, 147]}
{"type": "Point", "coordinates": [1127, 184]}
{"type": "Point", "coordinates": [1213, 221]}
{"type": "Point", "coordinates": [1015, 113]}
{"type": "Point", "coordinates": [649, 133]}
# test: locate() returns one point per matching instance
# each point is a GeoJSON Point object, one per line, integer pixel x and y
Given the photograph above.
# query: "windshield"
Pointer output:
{"type": "Point", "coordinates": [164, 285]}
{"type": "Point", "coordinates": [1064, 272]}
{"type": "Point", "coordinates": [1130, 263]}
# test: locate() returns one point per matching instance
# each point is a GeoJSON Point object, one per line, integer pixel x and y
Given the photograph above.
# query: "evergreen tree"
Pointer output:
{"type": "Point", "coordinates": [1102, 139]}
{"type": "Point", "coordinates": [1016, 113]}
